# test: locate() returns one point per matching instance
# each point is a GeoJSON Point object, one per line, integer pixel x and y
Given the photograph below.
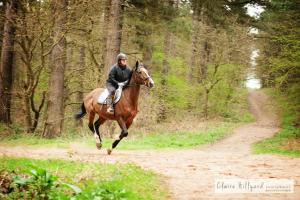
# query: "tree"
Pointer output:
{"type": "Point", "coordinates": [32, 46]}
{"type": "Point", "coordinates": [280, 60]}
{"type": "Point", "coordinates": [55, 112]}
{"type": "Point", "coordinates": [7, 55]}
{"type": "Point", "coordinates": [82, 66]}
{"type": "Point", "coordinates": [170, 11]}
{"type": "Point", "coordinates": [114, 33]}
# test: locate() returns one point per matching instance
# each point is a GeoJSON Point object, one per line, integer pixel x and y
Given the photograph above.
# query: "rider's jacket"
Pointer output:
{"type": "Point", "coordinates": [118, 74]}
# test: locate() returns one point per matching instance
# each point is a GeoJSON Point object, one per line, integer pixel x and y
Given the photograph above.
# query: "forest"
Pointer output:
{"type": "Point", "coordinates": [216, 65]}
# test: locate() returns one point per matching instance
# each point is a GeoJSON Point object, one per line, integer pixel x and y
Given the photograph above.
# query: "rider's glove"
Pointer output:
{"type": "Point", "coordinates": [122, 84]}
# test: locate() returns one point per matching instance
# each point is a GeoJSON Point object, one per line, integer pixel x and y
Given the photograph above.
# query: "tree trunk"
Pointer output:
{"type": "Point", "coordinates": [208, 88]}
{"type": "Point", "coordinates": [7, 54]}
{"type": "Point", "coordinates": [205, 56]}
{"type": "Point", "coordinates": [167, 43]}
{"type": "Point", "coordinates": [167, 48]}
{"type": "Point", "coordinates": [68, 75]}
{"type": "Point", "coordinates": [205, 109]}
{"type": "Point", "coordinates": [82, 69]}
{"type": "Point", "coordinates": [205, 47]}
{"type": "Point", "coordinates": [195, 41]}
{"type": "Point", "coordinates": [36, 111]}
{"type": "Point", "coordinates": [147, 56]}
{"type": "Point", "coordinates": [2, 22]}
{"type": "Point", "coordinates": [28, 118]}
{"type": "Point", "coordinates": [114, 33]}
{"type": "Point", "coordinates": [105, 35]}
{"type": "Point", "coordinates": [55, 112]}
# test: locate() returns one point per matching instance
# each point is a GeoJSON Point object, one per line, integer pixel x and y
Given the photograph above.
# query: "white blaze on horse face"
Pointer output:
{"type": "Point", "coordinates": [150, 81]}
{"type": "Point", "coordinates": [145, 71]}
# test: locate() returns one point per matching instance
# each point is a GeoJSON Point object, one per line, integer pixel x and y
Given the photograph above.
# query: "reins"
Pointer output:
{"type": "Point", "coordinates": [132, 85]}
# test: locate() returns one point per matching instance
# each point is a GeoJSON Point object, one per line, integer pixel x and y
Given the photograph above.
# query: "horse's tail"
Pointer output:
{"type": "Point", "coordinates": [81, 113]}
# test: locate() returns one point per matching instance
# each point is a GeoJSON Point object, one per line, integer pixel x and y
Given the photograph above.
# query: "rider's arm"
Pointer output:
{"type": "Point", "coordinates": [112, 75]}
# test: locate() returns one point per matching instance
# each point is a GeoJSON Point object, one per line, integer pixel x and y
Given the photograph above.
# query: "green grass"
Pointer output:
{"type": "Point", "coordinates": [180, 139]}
{"type": "Point", "coordinates": [158, 140]}
{"type": "Point", "coordinates": [92, 177]}
{"type": "Point", "coordinates": [34, 140]}
{"type": "Point", "coordinates": [287, 140]}
{"type": "Point", "coordinates": [279, 143]}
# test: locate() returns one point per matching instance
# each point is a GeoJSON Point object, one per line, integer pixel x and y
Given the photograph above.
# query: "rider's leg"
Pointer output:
{"type": "Point", "coordinates": [110, 99]}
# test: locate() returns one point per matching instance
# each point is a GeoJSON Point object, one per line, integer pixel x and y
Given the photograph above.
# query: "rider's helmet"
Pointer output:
{"type": "Point", "coordinates": [121, 56]}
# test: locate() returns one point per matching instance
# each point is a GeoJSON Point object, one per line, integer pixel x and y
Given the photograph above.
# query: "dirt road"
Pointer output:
{"type": "Point", "coordinates": [191, 174]}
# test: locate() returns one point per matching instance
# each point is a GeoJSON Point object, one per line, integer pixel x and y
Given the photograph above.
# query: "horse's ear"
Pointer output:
{"type": "Point", "coordinates": [137, 65]}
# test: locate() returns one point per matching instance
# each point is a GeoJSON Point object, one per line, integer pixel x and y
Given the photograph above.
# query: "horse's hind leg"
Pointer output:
{"type": "Point", "coordinates": [97, 133]}
{"type": "Point", "coordinates": [91, 121]}
{"type": "Point", "coordinates": [94, 130]}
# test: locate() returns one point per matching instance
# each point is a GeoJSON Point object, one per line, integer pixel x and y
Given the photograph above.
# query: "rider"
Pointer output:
{"type": "Point", "coordinates": [119, 75]}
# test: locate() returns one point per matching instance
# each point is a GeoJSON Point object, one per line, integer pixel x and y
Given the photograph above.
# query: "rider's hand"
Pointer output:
{"type": "Point", "coordinates": [122, 84]}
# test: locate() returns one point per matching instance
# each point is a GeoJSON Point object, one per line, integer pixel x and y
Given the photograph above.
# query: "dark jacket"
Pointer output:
{"type": "Point", "coordinates": [118, 74]}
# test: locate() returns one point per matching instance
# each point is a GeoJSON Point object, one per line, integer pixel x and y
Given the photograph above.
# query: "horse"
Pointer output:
{"type": "Point", "coordinates": [125, 110]}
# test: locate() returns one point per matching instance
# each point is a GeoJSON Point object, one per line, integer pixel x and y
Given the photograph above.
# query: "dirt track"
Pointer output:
{"type": "Point", "coordinates": [190, 174]}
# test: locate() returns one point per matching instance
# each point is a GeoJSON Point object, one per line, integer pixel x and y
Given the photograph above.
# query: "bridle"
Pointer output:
{"type": "Point", "coordinates": [139, 84]}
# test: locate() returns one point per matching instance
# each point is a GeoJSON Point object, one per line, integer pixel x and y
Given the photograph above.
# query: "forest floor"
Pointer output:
{"type": "Point", "coordinates": [191, 174]}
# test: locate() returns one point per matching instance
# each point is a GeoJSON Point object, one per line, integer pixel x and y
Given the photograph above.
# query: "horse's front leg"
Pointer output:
{"type": "Point", "coordinates": [129, 122]}
{"type": "Point", "coordinates": [123, 134]}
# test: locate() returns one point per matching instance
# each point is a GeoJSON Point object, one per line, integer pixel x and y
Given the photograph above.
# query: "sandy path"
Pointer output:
{"type": "Point", "coordinates": [190, 174]}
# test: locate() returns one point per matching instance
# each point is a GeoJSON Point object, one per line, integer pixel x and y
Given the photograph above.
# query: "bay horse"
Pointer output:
{"type": "Point", "coordinates": [125, 110]}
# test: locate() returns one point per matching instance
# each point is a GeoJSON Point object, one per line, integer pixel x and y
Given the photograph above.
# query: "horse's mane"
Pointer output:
{"type": "Point", "coordinates": [126, 86]}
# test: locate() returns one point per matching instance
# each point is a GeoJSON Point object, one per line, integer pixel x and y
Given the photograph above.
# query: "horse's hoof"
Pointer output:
{"type": "Point", "coordinates": [109, 151]}
{"type": "Point", "coordinates": [98, 145]}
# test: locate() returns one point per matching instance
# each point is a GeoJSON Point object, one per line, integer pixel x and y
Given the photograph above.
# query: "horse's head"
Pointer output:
{"type": "Point", "coordinates": [141, 75]}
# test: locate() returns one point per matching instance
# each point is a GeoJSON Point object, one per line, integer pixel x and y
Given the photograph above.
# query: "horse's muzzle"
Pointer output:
{"type": "Point", "coordinates": [151, 83]}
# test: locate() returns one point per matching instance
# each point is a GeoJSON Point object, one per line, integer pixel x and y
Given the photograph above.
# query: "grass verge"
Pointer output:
{"type": "Point", "coordinates": [132, 181]}
{"type": "Point", "coordinates": [157, 140]}
{"type": "Point", "coordinates": [287, 140]}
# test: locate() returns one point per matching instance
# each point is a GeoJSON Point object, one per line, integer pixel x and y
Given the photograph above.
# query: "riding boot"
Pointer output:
{"type": "Point", "coordinates": [110, 104]}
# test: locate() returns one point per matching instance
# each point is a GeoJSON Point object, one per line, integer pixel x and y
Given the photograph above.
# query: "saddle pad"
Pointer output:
{"type": "Point", "coordinates": [103, 96]}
